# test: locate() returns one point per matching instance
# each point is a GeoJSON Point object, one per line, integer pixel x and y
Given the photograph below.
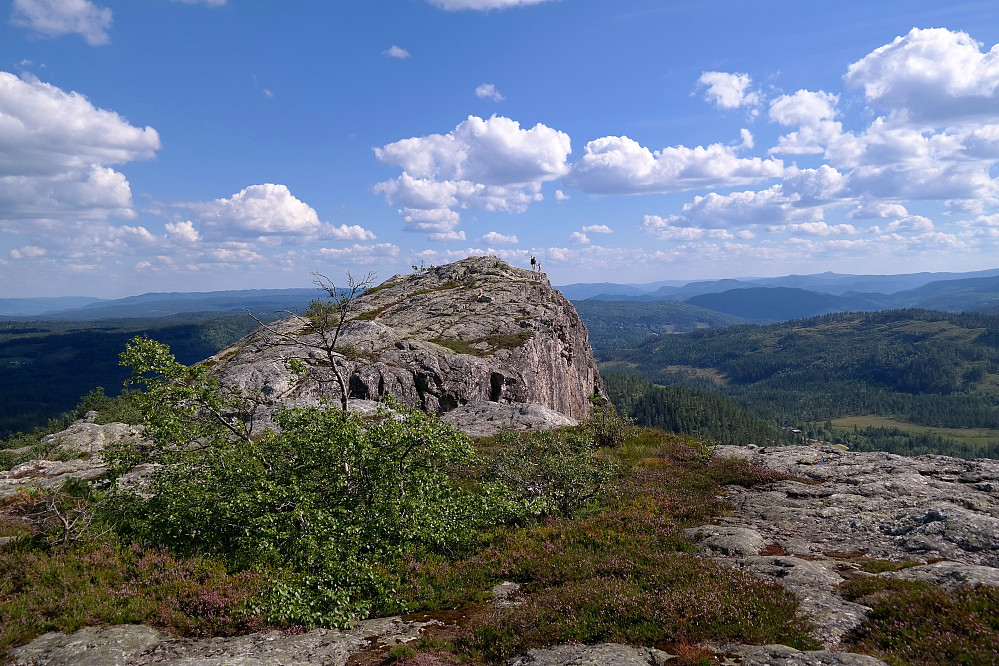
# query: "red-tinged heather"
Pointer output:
{"type": "Point", "coordinates": [626, 573]}
{"type": "Point", "coordinates": [924, 625]}
{"type": "Point", "coordinates": [64, 590]}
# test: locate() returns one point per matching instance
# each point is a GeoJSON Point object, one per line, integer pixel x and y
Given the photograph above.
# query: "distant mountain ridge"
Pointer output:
{"type": "Point", "coordinates": [776, 301]}
{"type": "Point", "coordinates": [829, 283]}
{"type": "Point", "coordinates": [30, 307]}
{"type": "Point", "coordinates": [156, 304]}
{"type": "Point", "coordinates": [754, 299]}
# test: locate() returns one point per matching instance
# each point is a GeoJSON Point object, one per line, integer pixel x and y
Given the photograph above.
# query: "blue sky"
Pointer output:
{"type": "Point", "coordinates": [180, 145]}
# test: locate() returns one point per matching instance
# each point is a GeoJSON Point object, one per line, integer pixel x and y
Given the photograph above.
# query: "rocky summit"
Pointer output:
{"type": "Point", "coordinates": [478, 341]}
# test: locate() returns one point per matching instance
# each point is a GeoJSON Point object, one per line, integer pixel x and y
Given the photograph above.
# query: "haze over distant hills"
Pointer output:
{"type": "Point", "coordinates": [765, 300]}
{"type": "Point", "coordinates": [828, 283]}
{"type": "Point", "coordinates": [752, 299]}
{"type": "Point", "coordinates": [84, 308]}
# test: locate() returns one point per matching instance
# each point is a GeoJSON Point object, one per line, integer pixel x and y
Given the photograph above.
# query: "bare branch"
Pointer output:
{"type": "Point", "coordinates": [325, 321]}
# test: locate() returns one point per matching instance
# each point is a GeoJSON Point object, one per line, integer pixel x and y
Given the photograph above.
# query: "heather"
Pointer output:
{"type": "Point", "coordinates": [238, 534]}
{"type": "Point", "coordinates": [916, 623]}
{"type": "Point", "coordinates": [338, 517]}
{"type": "Point", "coordinates": [623, 573]}
{"type": "Point", "coordinates": [105, 582]}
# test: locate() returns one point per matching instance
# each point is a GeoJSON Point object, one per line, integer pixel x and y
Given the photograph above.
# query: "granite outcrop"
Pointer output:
{"type": "Point", "coordinates": [937, 515]}
{"type": "Point", "coordinates": [473, 332]}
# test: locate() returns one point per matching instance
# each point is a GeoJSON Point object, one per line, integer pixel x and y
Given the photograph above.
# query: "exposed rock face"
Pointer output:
{"type": "Point", "coordinates": [607, 654]}
{"type": "Point", "coordinates": [886, 506]}
{"type": "Point", "coordinates": [475, 331]}
{"type": "Point", "coordinates": [81, 442]}
{"type": "Point", "coordinates": [137, 645]}
{"type": "Point", "coordinates": [85, 438]}
{"type": "Point", "coordinates": [480, 419]}
{"type": "Point", "coordinates": [781, 655]}
{"type": "Point", "coordinates": [810, 536]}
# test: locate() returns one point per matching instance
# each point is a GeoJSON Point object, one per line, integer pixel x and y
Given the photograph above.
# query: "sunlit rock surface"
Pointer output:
{"type": "Point", "coordinates": [472, 332]}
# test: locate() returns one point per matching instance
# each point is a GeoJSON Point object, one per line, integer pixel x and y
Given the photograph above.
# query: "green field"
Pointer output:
{"type": "Point", "coordinates": [971, 436]}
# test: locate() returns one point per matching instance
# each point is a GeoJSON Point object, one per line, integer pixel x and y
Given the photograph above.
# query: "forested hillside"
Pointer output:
{"type": "Point", "coordinates": [45, 367]}
{"type": "Point", "coordinates": [685, 411]}
{"type": "Point", "coordinates": [910, 367]}
{"type": "Point", "coordinates": [625, 323]}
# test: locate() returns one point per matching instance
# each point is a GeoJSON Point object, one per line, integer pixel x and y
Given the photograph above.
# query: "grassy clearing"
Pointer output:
{"type": "Point", "coordinates": [973, 436]}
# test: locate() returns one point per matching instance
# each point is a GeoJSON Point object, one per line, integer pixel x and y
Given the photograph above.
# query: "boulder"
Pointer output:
{"type": "Point", "coordinates": [482, 419]}
{"type": "Point", "coordinates": [475, 332]}
{"type": "Point", "coordinates": [781, 655]}
{"type": "Point", "coordinates": [78, 447]}
{"type": "Point", "coordinates": [138, 645]}
{"type": "Point", "coordinates": [84, 439]}
{"type": "Point", "coordinates": [877, 504]}
{"type": "Point", "coordinates": [606, 654]}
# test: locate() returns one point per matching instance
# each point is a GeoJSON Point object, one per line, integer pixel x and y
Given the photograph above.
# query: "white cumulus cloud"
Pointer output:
{"type": "Point", "coordinates": [495, 151]}
{"type": "Point", "coordinates": [579, 238]}
{"type": "Point", "coordinates": [878, 209]}
{"type": "Point", "coordinates": [46, 130]}
{"type": "Point", "coordinates": [183, 232]}
{"type": "Point", "coordinates": [488, 91]}
{"type": "Point", "coordinates": [494, 238]}
{"type": "Point", "coordinates": [820, 228]}
{"type": "Point", "coordinates": [482, 5]}
{"type": "Point", "coordinates": [343, 232]}
{"type": "Point", "coordinates": [911, 223]}
{"type": "Point", "coordinates": [360, 254]}
{"type": "Point", "coordinates": [490, 164]}
{"type": "Point", "coordinates": [770, 206]}
{"type": "Point", "coordinates": [54, 148]}
{"type": "Point", "coordinates": [597, 229]}
{"type": "Point", "coordinates": [728, 91]}
{"type": "Point", "coordinates": [54, 18]}
{"type": "Point", "coordinates": [620, 165]}
{"type": "Point", "coordinates": [673, 229]}
{"type": "Point", "coordinates": [396, 52]}
{"type": "Point", "coordinates": [258, 210]}
{"type": "Point", "coordinates": [28, 252]}
{"type": "Point", "coordinates": [812, 113]}
{"type": "Point", "coordinates": [930, 74]}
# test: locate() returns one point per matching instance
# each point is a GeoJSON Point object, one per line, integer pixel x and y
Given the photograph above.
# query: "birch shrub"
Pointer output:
{"type": "Point", "coordinates": [326, 504]}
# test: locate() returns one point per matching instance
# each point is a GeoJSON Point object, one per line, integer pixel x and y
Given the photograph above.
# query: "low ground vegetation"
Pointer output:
{"type": "Point", "coordinates": [917, 623]}
{"type": "Point", "coordinates": [339, 517]}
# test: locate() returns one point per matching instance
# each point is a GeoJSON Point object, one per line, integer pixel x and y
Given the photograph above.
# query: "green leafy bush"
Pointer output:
{"type": "Point", "coordinates": [625, 572]}
{"type": "Point", "coordinates": [607, 426]}
{"type": "Point", "coordinates": [551, 473]}
{"type": "Point", "coordinates": [328, 502]}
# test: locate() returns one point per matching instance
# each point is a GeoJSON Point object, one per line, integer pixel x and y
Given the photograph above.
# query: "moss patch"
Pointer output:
{"type": "Point", "coordinates": [494, 342]}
